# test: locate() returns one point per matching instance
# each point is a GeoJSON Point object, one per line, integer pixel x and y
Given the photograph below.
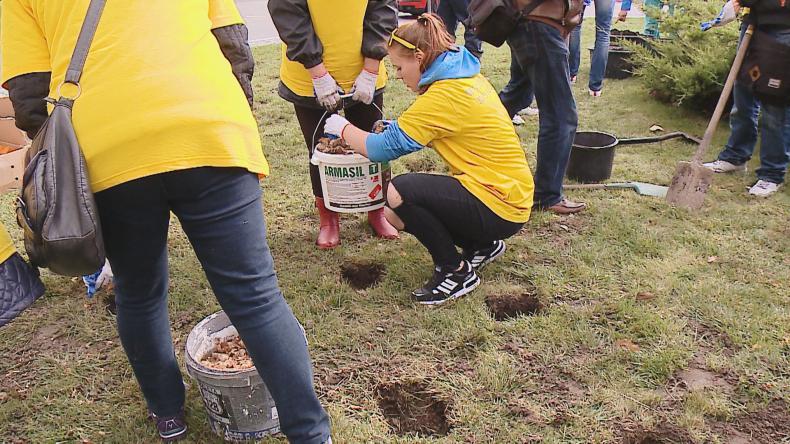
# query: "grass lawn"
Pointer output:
{"type": "Point", "coordinates": [651, 324]}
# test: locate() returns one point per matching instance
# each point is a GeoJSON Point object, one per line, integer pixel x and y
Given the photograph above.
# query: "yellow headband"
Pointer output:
{"type": "Point", "coordinates": [407, 44]}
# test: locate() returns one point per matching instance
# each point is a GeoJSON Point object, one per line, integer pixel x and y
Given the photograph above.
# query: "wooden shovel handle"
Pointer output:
{"type": "Point", "coordinates": [586, 186]}
{"type": "Point", "coordinates": [725, 95]}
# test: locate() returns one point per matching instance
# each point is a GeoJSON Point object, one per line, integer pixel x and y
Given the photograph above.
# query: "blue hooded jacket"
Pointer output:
{"type": "Point", "coordinates": [393, 142]}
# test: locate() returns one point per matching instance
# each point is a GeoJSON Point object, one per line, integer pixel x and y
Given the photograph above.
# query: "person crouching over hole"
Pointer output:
{"type": "Point", "coordinates": [488, 195]}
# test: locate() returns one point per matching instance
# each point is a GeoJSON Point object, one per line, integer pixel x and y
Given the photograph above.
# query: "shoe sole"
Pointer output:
{"type": "Point", "coordinates": [174, 437]}
{"type": "Point", "coordinates": [463, 292]}
{"type": "Point", "coordinates": [491, 259]}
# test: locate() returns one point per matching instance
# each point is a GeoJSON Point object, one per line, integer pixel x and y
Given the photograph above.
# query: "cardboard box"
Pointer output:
{"type": "Point", "coordinates": [12, 164]}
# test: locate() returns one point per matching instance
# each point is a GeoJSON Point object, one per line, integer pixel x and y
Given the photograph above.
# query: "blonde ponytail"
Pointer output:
{"type": "Point", "coordinates": [428, 35]}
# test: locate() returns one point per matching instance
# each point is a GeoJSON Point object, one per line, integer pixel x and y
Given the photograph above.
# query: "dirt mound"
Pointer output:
{"type": "Point", "coordinates": [661, 434]}
{"type": "Point", "coordinates": [768, 425]}
{"type": "Point", "coordinates": [506, 306]}
{"type": "Point", "coordinates": [362, 275]}
{"type": "Point", "coordinates": [410, 408]}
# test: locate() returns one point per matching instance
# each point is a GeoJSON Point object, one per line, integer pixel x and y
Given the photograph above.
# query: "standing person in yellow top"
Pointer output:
{"type": "Point", "coordinates": [488, 195]}
{"type": "Point", "coordinates": [332, 49]}
{"type": "Point", "coordinates": [165, 127]}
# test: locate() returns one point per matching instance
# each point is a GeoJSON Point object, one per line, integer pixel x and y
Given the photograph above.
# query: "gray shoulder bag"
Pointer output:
{"type": "Point", "coordinates": [56, 209]}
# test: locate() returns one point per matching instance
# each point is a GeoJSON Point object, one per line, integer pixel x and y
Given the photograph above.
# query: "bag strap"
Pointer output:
{"type": "Point", "coordinates": [531, 7]}
{"type": "Point", "coordinates": [88, 31]}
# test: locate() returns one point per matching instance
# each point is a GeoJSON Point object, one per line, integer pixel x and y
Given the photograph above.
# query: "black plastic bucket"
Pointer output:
{"type": "Point", "coordinates": [592, 157]}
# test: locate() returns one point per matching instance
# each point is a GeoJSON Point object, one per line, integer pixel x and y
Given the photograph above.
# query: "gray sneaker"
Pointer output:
{"type": "Point", "coordinates": [722, 166]}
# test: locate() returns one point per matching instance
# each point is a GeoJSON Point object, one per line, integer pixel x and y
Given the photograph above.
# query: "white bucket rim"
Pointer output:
{"type": "Point", "coordinates": [339, 159]}
{"type": "Point", "coordinates": [193, 362]}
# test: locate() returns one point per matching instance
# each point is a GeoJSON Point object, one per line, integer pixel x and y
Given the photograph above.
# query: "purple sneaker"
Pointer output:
{"type": "Point", "coordinates": [170, 428]}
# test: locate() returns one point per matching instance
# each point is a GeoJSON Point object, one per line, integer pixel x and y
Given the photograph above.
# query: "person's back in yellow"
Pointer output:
{"type": "Point", "coordinates": [157, 93]}
{"type": "Point", "coordinates": [166, 129]}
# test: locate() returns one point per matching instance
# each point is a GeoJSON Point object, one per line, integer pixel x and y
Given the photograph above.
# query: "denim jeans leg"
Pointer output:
{"type": "Point", "coordinates": [774, 143]}
{"type": "Point", "coordinates": [542, 52]}
{"type": "Point", "coordinates": [604, 9]}
{"type": "Point", "coordinates": [221, 212]}
{"type": "Point", "coordinates": [574, 49]}
{"type": "Point", "coordinates": [743, 127]}
{"type": "Point", "coordinates": [652, 7]}
{"type": "Point", "coordinates": [135, 219]}
{"type": "Point", "coordinates": [518, 93]}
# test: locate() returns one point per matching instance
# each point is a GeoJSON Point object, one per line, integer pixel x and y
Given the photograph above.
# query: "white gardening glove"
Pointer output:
{"type": "Point", "coordinates": [327, 92]}
{"type": "Point", "coordinates": [105, 277]}
{"type": "Point", "coordinates": [365, 87]}
{"type": "Point", "coordinates": [334, 125]}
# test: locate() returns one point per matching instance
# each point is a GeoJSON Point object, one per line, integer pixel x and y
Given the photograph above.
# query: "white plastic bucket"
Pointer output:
{"type": "Point", "coordinates": [351, 182]}
{"type": "Point", "coordinates": [239, 406]}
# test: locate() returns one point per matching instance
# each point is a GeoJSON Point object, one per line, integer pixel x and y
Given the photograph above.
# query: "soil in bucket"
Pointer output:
{"type": "Point", "coordinates": [412, 409]}
{"type": "Point", "coordinates": [238, 403]}
{"type": "Point", "coordinates": [361, 276]}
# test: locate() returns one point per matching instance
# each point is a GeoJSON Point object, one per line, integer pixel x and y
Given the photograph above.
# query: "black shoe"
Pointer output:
{"type": "Point", "coordinates": [170, 428]}
{"type": "Point", "coordinates": [446, 286]}
{"type": "Point", "coordinates": [480, 258]}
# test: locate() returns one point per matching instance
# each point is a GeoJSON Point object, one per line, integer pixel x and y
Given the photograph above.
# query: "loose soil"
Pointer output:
{"type": "Point", "coordinates": [228, 354]}
{"type": "Point", "coordinates": [332, 146]}
{"type": "Point", "coordinates": [360, 275]}
{"type": "Point", "coordinates": [504, 307]}
{"type": "Point", "coordinates": [698, 379]}
{"type": "Point", "coordinates": [662, 434]}
{"type": "Point", "coordinates": [770, 424]}
{"type": "Point", "coordinates": [410, 408]}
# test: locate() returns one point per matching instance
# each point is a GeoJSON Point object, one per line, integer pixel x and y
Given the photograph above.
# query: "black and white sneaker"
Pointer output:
{"type": "Point", "coordinates": [444, 286]}
{"type": "Point", "coordinates": [485, 256]}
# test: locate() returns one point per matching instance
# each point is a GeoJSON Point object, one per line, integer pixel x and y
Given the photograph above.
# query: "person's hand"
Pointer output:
{"type": "Point", "coordinates": [106, 277]}
{"type": "Point", "coordinates": [736, 4]}
{"type": "Point", "coordinates": [365, 87]}
{"type": "Point", "coordinates": [327, 92]}
{"type": "Point", "coordinates": [335, 125]}
{"type": "Point", "coordinates": [622, 15]}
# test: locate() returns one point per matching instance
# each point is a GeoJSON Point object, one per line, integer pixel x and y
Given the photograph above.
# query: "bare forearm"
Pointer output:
{"type": "Point", "coordinates": [372, 65]}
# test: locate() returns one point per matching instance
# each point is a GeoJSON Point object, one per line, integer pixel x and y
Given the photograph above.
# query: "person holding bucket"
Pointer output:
{"type": "Point", "coordinates": [170, 131]}
{"type": "Point", "coordinates": [487, 197]}
{"type": "Point", "coordinates": [332, 60]}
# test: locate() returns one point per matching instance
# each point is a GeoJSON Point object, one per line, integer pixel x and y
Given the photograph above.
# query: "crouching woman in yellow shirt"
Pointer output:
{"type": "Point", "coordinates": [488, 195]}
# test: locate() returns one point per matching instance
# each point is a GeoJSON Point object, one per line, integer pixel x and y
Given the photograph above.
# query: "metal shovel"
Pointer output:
{"type": "Point", "coordinates": [644, 189]}
{"type": "Point", "coordinates": [692, 180]}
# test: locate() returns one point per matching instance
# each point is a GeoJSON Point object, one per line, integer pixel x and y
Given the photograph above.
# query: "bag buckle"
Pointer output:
{"type": "Point", "coordinates": [77, 96]}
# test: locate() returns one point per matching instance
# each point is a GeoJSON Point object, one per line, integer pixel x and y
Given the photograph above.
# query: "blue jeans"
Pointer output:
{"type": "Point", "coordinates": [518, 93]}
{"type": "Point", "coordinates": [575, 50]}
{"type": "Point", "coordinates": [774, 127]}
{"type": "Point", "coordinates": [454, 11]}
{"type": "Point", "coordinates": [604, 9]}
{"type": "Point", "coordinates": [221, 212]}
{"type": "Point", "coordinates": [541, 65]}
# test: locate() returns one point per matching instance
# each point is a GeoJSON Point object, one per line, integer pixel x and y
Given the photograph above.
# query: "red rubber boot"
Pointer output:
{"type": "Point", "coordinates": [329, 233]}
{"type": "Point", "coordinates": [380, 225]}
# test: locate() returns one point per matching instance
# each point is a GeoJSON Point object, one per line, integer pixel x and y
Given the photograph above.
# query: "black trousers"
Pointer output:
{"type": "Point", "coordinates": [442, 214]}
{"type": "Point", "coordinates": [311, 122]}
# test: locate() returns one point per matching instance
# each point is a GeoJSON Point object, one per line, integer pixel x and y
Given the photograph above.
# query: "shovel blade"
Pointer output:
{"type": "Point", "coordinates": [689, 186]}
{"type": "Point", "coordinates": [649, 189]}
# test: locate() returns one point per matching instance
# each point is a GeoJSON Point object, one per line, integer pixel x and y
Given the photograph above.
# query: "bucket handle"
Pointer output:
{"type": "Point", "coordinates": [324, 116]}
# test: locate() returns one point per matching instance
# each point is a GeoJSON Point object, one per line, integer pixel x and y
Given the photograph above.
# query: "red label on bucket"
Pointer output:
{"type": "Point", "coordinates": [375, 192]}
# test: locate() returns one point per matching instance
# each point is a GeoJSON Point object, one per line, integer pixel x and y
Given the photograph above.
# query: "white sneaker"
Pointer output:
{"type": "Point", "coordinates": [595, 93]}
{"type": "Point", "coordinates": [722, 166]}
{"type": "Point", "coordinates": [529, 112]}
{"type": "Point", "coordinates": [518, 121]}
{"type": "Point", "coordinates": [763, 188]}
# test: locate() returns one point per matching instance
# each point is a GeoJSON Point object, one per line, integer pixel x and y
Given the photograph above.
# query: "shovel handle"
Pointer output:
{"type": "Point", "coordinates": [725, 95]}
{"type": "Point", "coordinates": [661, 138]}
{"type": "Point", "coordinates": [586, 186]}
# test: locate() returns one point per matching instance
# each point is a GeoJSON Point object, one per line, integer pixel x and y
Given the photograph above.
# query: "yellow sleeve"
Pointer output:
{"type": "Point", "coordinates": [430, 117]}
{"type": "Point", "coordinates": [22, 43]}
{"type": "Point", "coordinates": [6, 245]}
{"type": "Point", "coordinates": [223, 13]}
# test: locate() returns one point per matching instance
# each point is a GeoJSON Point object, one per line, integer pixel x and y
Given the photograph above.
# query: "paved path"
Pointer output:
{"type": "Point", "coordinates": [255, 13]}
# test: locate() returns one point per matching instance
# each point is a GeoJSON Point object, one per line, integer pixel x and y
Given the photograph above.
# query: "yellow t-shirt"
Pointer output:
{"type": "Point", "coordinates": [6, 245]}
{"type": "Point", "coordinates": [465, 122]}
{"type": "Point", "coordinates": [157, 93]}
{"type": "Point", "coordinates": [339, 26]}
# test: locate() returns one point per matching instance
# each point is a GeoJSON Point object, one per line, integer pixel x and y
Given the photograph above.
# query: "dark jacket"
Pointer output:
{"type": "Point", "coordinates": [295, 27]}
{"type": "Point", "coordinates": [561, 14]}
{"type": "Point", "coordinates": [769, 12]}
{"type": "Point", "coordinates": [27, 92]}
